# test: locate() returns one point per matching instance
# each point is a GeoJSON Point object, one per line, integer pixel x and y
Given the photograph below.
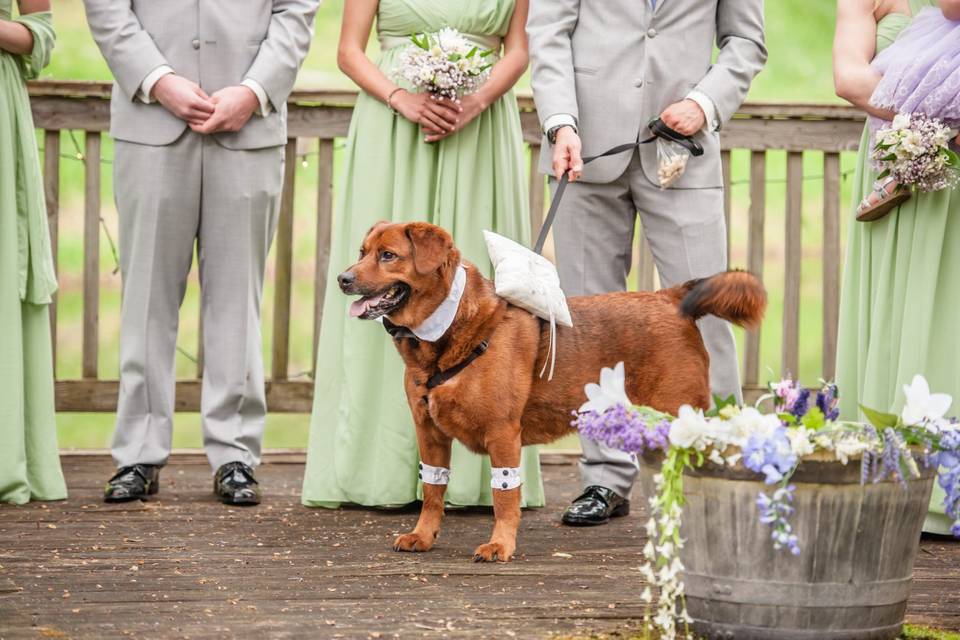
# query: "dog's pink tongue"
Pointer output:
{"type": "Point", "coordinates": [359, 307]}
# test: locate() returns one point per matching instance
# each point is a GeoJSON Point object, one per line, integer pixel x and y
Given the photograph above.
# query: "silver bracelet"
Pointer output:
{"type": "Point", "coordinates": [390, 99]}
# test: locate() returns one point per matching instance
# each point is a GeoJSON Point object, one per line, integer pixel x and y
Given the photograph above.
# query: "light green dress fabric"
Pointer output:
{"type": "Point", "coordinates": [901, 290]}
{"type": "Point", "coordinates": [363, 446]}
{"type": "Point", "coordinates": [29, 461]}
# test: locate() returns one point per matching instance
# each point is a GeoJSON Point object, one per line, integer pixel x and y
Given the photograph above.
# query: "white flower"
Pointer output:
{"type": "Point", "coordinates": [900, 121]}
{"type": "Point", "coordinates": [451, 41]}
{"type": "Point", "coordinates": [609, 393]}
{"type": "Point", "coordinates": [849, 448]}
{"type": "Point", "coordinates": [689, 428]}
{"type": "Point", "coordinates": [800, 442]}
{"type": "Point", "coordinates": [751, 421]}
{"type": "Point", "coordinates": [647, 595]}
{"type": "Point", "coordinates": [923, 406]}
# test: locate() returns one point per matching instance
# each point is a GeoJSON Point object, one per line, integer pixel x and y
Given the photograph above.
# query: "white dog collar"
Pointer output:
{"type": "Point", "coordinates": [433, 328]}
{"type": "Point", "coordinates": [434, 475]}
{"type": "Point", "coordinates": [505, 478]}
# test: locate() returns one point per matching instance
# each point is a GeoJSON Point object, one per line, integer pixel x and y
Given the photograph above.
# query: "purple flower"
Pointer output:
{"type": "Point", "coordinates": [769, 454]}
{"type": "Point", "coordinates": [774, 510]}
{"type": "Point", "coordinates": [623, 429]}
{"type": "Point", "coordinates": [827, 401]}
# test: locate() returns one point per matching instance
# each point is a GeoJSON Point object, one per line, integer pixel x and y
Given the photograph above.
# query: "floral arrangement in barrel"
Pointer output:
{"type": "Point", "coordinates": [444, 64]}
{"type": "Point", "coordinates": [804, 422]}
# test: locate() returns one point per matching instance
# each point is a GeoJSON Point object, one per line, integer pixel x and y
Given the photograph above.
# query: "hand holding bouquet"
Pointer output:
{"type": "Point", "coordinates": [444, 64]}
{"type": "Point", "coordinates": [911, 153]}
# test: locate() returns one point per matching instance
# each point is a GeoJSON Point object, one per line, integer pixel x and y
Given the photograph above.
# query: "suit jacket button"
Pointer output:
{"type": "Point", "coordinates": [195, 44]}
{"type": "Point", "coordinates": [638, 84]}
{"type": "Point", "coordinates": [651, 33]}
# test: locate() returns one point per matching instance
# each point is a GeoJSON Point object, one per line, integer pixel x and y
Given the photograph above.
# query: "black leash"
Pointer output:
{"type": "Point", "coordinates": [658, 130]}
{"type": "Point", "coordinates": [562, 185]}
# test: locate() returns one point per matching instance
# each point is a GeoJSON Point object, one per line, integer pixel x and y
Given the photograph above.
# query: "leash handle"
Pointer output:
{"type": "Point", "coordinates": [562, 185]}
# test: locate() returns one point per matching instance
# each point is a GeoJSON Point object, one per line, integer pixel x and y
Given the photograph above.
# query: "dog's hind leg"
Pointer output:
{"type": "Point", "coordinates": [504, 449]}
{"type": "Point", "coordinates": [435, 473]}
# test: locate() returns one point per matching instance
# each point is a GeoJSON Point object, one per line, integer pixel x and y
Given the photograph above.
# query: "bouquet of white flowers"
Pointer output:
{"type": "Point", "coordinates": [914, 150]}
{"type": "Point", "coordinates": [444, 64]}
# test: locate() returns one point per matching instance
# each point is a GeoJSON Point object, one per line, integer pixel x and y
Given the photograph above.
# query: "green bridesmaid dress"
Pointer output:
{"type": "Point", "coordinates": [29, 461]}
{"type": "Point", "coordinates": [363, 447]}
{"type": "Point", "coordinates": [901, 290]}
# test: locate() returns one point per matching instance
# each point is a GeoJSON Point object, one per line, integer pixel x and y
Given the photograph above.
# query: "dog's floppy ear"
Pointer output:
{"type": "Point", "coordinates": [431, 246]}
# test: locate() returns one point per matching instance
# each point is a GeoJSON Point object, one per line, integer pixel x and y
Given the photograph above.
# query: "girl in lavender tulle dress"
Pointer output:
{"type": "Point", "coordinates": [921, 75]}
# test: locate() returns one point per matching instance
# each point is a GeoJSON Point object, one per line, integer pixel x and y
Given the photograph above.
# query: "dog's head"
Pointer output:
{"type": "Point", "coordinates": [405, 271]}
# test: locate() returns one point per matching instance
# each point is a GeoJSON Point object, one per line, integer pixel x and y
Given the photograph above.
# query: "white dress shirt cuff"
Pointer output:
{"type": "Point", "coordinates": [265, 107]}
{"type": "Point", "coordinates": [143, 95]}
{"type": "Point", "coordinates": [558, 120]}
{"type": "Point", "coordinates": [709, 109]}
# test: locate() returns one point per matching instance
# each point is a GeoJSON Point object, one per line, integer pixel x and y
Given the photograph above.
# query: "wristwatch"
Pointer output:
{"type": "Point", "coordinates": [552, 132]}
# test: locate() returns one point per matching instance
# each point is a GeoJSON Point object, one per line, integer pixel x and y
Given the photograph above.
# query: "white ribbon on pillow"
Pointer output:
{"type": "Point", "coordinates": [529, 281]}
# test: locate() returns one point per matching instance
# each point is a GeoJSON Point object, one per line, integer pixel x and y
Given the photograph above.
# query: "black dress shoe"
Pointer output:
{"type": "Point", "coordinates": [234, 483]}
{"type": "Point", "coordinates": [595, 506]}
{"type": "Point", "coordinates": [135, 482]}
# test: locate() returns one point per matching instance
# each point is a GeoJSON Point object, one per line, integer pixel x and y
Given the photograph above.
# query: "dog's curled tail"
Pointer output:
{"type": "Point", "coordinates": [735, 296]}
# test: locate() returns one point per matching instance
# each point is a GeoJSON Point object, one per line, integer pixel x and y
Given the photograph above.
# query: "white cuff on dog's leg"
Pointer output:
{"type": "Point", "coordinates": [505, 478]}
{"type": "Point", "coordinates": [434, 475]}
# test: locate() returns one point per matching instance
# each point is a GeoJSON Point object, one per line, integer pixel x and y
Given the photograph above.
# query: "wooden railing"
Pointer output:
{"type": "Point", "coordinates": [325, 116]}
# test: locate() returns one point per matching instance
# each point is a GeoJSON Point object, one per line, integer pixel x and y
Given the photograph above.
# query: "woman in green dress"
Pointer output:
{"type": "Point", "coordinates": [901, 284]}
{"type": "Point", "coordinates": [409, 157]}
{"type": "Point", "coordinates": [29, 462]}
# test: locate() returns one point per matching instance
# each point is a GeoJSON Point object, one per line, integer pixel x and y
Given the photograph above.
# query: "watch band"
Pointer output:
{"type": "Point", "coordinates": [552, 132]}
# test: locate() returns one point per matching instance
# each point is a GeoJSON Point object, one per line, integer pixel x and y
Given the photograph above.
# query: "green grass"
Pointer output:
{"type": "Point", "coordinates": [799, 69]}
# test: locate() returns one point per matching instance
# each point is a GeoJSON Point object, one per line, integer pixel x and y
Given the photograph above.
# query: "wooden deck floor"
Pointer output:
{"type": "Point", "coordinates": [185, 566]}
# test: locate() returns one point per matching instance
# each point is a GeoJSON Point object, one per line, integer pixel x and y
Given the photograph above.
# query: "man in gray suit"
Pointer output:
{"type": "Point", "coordinates": [198, 113]}
{"type": "Point", "coordinates": [601, 72]}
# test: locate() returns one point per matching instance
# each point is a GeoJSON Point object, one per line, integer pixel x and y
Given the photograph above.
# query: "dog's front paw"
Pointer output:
{"type": "Point", "coordinates": [493, 552]}
{"type": "Point", "coordinates": [414, 542]}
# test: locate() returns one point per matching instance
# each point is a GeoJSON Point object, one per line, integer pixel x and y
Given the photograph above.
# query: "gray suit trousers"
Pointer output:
{"type": "Point", "coordinates": [171, 198]}
{"type": "Point", "coordinates": [593, 235]}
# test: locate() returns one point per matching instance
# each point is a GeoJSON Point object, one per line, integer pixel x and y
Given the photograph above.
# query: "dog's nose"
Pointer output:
{"type": "Point", "coordinates": [346, 280]}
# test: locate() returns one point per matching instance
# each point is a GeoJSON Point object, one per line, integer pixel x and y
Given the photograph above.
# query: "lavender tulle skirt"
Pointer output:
{"type": "Point", "coordinates": [921, 69]}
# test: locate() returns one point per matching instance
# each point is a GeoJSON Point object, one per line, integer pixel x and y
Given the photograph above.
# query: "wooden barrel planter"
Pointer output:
{"type": "Point", "coordinates": [851, 580]}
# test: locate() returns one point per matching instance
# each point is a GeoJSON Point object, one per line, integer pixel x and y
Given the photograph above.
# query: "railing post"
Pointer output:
{"type": "Point", "coordinates": [792, 262]}
{"type": "Point", "coordinates": [91, 253]}
{"type": "Point", "coordinates": [284, 265]}
{"type": "Point", "coordinates": [536, 192]}
{"type": "Point", "coordinates": [831, 262]}
{"type": "Point", "coordinates": [755, 247]}
{"type": "Point", "coordinates": [727, 197]}
{"type": "Point", "coordinates": [324, 233]}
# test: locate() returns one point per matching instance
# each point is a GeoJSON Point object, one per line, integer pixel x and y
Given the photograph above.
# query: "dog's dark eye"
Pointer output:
{"type": "Point", "coordinates": [387, 256]}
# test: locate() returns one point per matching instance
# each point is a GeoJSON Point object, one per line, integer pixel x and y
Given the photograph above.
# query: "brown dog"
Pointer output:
{"type": "Point", "coordinates": [492, 398]}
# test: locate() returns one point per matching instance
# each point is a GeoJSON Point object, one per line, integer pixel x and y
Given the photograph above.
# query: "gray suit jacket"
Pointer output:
{"type": "Point", "coordinates": [616, 64]}
{"type": "Point", "coordinates": [215, 43]}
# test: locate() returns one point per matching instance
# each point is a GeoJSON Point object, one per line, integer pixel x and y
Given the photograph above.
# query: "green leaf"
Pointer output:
{"type": "Point", "coordinates": [814, 419]}
{"type": "Point", "coordinates": [486, 53]}
{"type": "Point", "coordinates": [720, 403]}
{"type": "Point", "coordinates": [454, 57]}
{"type": "Point", "coordinates": [880, 420]}
{"type": "Point", "coordinates": [421, 40]}
{"type": "Point", "coordinates": [472, 52]}
{"type": "Point", "coordinates": [953, 159]}
{"type": "Point", "coordinates": [883, 174]}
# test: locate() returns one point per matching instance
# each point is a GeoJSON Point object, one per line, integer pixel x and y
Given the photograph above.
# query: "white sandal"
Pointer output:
{"type": "Point", "coordinates": [886, 200]}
